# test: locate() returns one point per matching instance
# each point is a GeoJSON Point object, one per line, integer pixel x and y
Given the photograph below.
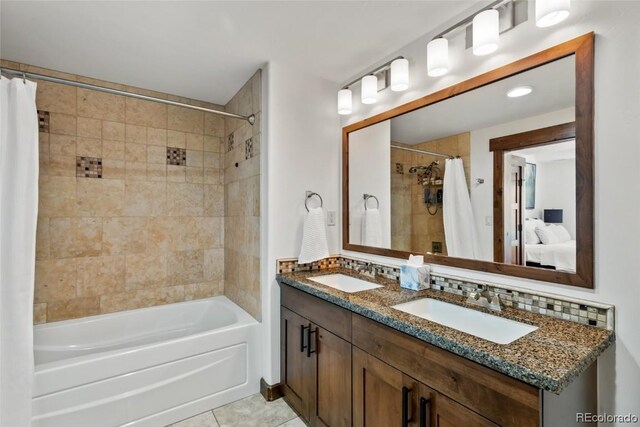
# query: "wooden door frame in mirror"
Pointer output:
{"type": "Point", "coordinates": [583, 49]}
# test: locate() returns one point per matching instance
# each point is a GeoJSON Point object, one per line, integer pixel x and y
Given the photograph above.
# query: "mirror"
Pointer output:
{"type": "Point", "coordinates": [485, 179]}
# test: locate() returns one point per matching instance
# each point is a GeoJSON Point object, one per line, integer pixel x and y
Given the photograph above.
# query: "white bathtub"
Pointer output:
{"type": "Point", "coordinates": [147, 367]}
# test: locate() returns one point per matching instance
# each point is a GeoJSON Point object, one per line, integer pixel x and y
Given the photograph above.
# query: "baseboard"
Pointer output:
{"type": "Point", "coordinates": [270, 392]}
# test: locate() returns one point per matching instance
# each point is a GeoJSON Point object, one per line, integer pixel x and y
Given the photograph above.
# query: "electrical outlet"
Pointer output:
{"type": "Point", "coordinates": [331, 218]}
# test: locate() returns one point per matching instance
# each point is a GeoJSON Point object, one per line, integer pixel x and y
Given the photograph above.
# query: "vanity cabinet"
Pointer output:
{"type": "Point", "coordinates": [316, 362]}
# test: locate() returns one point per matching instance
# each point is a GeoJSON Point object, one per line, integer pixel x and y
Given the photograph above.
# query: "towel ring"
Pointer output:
{"type": "Point", "coordinates": [309, 195]}
{"type": "Point", "coordinates": [366, 199]}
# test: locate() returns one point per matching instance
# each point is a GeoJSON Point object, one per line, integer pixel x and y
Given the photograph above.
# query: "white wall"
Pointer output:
{"type": "Point", "coordinates": [556, 189]}
{"type": "Point", "coordinates": [369, 173]}
{"type": "Point", "coordinates": [482, 167]}
{"type": "Point", "coordinates": [302, 147]}
{"type": "Point", "coordinates": [617, 152]}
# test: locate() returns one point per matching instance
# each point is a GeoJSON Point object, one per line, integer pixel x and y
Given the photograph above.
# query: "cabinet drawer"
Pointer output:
{"type": "Point", "coordinates": [329, 316]}
{"type": "Point", "coordinates": [501, 399]}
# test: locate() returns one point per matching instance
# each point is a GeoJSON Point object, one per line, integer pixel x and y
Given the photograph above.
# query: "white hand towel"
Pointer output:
{"type": "Point", "coordinates": [371, 228]}
{"type": "Point", "coordinates": [314, 237]}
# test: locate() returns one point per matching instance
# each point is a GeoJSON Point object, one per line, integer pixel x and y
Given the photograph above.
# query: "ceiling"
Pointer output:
{"type": "Point", "coordinates": [549, 153]}
{"type": "Point", "coordinates": [208, 49]}
{"type": "Point", "coordinates": [553, 89]}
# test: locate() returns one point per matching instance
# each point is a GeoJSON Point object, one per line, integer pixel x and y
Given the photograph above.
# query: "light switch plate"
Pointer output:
{"type": "Point", "coordinates": [331, 218]}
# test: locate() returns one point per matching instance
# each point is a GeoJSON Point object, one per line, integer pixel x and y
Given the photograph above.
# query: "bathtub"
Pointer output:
{"type": "Point", "coordinates": [147, 367]}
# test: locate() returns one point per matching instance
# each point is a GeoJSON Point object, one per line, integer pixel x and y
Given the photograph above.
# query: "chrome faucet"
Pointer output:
{"type": "Point", "coordinates": [485, 299]}
{"type": "Point", "coordinates": [367, 269]}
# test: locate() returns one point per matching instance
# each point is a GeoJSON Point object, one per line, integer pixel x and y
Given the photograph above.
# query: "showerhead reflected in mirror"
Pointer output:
{"type": "Point", "coordinates": [474, 176]}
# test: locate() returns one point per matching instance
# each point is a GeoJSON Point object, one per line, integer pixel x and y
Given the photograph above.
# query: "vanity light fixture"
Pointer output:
{"type": "Point", "coordinates": [551, 12]}
{"type": "Point", "coordinates": [519, 91]}
{"type": "Point", "coordinates": [486, 32]}
{"type": "Point", "coordinates": [438, 57]}
{"type": "Point", "coordinates": [400, 75]}
{"type": "Point", "coordinates": [344, 101]}
{"type": "Point", "coordinates": [369, 89]}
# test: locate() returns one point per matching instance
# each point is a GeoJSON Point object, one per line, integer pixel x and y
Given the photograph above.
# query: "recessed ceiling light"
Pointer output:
{"type": "Point", "coordinates": [519, 91]}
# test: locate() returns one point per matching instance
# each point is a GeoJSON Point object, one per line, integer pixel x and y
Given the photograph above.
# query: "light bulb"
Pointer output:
{"type": "Point", "coordinates": [551, 12]}
{"type": "Point", "coordinates": [369, 89]}
{"type": "Point", "coordinates": [438, 57]}
{"type": "Point", "coordinates": [486, 32]}
{"type": "Point", "coordinates": [399, 75]}
{"type": "Point", "coordinates": [344, 102]}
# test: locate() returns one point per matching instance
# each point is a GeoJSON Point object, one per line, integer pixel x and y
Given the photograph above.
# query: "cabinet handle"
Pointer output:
{"type": "Point", "coordinates": [405, 406]}
{"type": "Point", "coordinates": [309, 332]}
{"type": "Point", "coordinates": [424, 415]}
{"type": "Point", "coordinates": [302, 346]}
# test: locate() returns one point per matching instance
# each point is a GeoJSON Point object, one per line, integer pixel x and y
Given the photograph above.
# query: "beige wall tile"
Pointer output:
{"type": "Point", "coordinates": [156, 154]}
{"type": "Point", "coordinates": [141, 298]}
{"type": "Point", "coordinates": [72, 308]}
{"type": "Point", "coordinates": [185, 267]}
{"type": "Point", "coordinates": [136, 171]}
{"type": "Point", "coordinates": [185, 120]}
{"type": "Point", "coordinates": [203, 290]}
{"type": "Point", "coordinates": [90, 128]}
{"type": "Point", "coordinates": [56, 98]}
{"type": "Point", "coordinates": [62, 124]}
{"type": "Point", "coordinates": [213, 124]}
{"type": "Point", "coordinates": [89, 147]}
{"type": "Point", "coordinates": [62, 145]}
{"type": "Point", "coordinates": [157, 137]}
{"type": "Point", "coordinates": [195, 158]}
{"type": "Point", "coordinates": [113, 130]}
{"type": "Point", "coordinates": [185, 199]}
{"type": "Point", "coordinates": [62, 166]}
{"type": "Point", "coordinates": [210, 232]}
{"type": "Point", "coordinates": [100, 197]}
{"type": "Point", "coordinates": [124, 235]}
{"type": "Point", "coordinates": [195, 141]}
{"type": "Point", "coordinates": [43, 240]}
{"type": "Point", "coordinates": [214, 200]}
{"type": "Point", "coordinates": [101, 105]}
{"type": "Point", "coordinates": [57, 196]}
{"type": "Point", "coordinates": [144, 198]}
{"type": "Point", "coordinates": [159, 231]}
{"type": "Point", "coordinates": [212, 160]}
{"type": "Point", "coordinates": [135, 133]}
{"type": "Point", "coordinates": [176, 139]}
{"type": "Point", "coordinates": [55, 280]}
{"type": "Point", "coordinates": [176, 173]}
{"type": "Point", "coordinates": [135, 152]}
{"type": "Point", "coordinates": [212, 144]}
{"type": "Point", "coordinates": [146, 113]}
{"type": "Point", "coordinates": [100, 275]}
{"type": "Point", "coordinates": [113, 169]}
{"type": "Point", "coordinates": [146, 270]}
{"type": "Point", "coordinates": [156, 172]}
{"type": "Point", "coordinates": [213, 176]}
{"type": "Point", "coordinates": [75, 237]}
{"type": "Point", "coordinates": [214, 264]}
{"type": "Point", "coordinates": [39, 313]}
{"type": "Point", "coordinates": [194, 175]}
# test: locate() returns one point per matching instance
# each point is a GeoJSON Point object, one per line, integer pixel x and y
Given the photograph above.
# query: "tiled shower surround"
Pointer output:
{"type": "Point", "coordinates": [561, 307]}
{"type": "Point", "coordinates": [132, 201]}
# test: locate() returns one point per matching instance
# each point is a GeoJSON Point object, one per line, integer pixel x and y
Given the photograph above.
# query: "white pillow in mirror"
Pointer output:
{"type": "Point", "coordinates": [547, 235]}
{"type": "Point", "coordinates": [561, 233]}
{"type": "Point", "coordinates": [530, 236]}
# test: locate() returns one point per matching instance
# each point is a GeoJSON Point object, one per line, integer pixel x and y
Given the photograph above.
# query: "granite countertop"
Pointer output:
{"type": "Point", "coordinates": [549, 357]}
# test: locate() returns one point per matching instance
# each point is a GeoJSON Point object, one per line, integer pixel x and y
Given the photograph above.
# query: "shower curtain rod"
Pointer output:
{"type": "Point", "coordinates": [414, 150]}
{"type": "Point", "coordinates": [24, 74]}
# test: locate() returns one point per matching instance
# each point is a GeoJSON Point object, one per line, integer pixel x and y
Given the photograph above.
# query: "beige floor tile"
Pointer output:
{"type": "Point", "coordinates": [254, 411]}
{"type": "Point", "coordinates": [203, 420]}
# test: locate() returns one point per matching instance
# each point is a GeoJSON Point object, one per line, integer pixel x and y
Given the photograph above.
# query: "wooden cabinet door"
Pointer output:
{"type": "Point", "coordinates": [332, 405]}
{"type": "Point", "coordinates": [382, 395]}
{"type": "Point", "coordinates": [295, 365]}
{"type": "Point", "coordinates": [449, 413]}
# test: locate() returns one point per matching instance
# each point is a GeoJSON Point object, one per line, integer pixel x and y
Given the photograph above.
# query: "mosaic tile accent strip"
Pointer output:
{"type": "Point", "coordinates": [230, 142]}
{"type": "Point", "coordinates": [400, 168]}
{"type": "Point", "coordinates": [248, 149]}
{"type": "Point", "coordinates": [560, 307]}
{"type": "Point", "coordinates": [176, 156]}
{"type": "Point", "coordinates": [43, 121]}
{"type": "Point", "coordinates": [88, 167]}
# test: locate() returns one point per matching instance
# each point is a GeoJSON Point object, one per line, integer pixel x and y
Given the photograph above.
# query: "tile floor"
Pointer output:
{"type": "Point", "coordinates": [252, 411]}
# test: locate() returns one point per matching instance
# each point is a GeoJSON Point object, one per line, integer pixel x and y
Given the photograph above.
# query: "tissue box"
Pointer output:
{"type": "Point", "coordinates": [414, 278]}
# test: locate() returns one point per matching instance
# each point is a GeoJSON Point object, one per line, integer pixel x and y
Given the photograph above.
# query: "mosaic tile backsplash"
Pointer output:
{"type": "Point", "coordinates": [561, 307]}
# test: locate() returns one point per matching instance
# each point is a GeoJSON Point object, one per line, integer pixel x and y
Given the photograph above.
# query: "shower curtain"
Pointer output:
{"type": "Point", "coordinates": [459, 224]}
{"type": "Point", "coordinates": [18, 216]}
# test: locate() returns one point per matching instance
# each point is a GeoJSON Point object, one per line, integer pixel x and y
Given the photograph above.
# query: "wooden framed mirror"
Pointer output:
{"type": "Point", "coordinates": [400, 195]}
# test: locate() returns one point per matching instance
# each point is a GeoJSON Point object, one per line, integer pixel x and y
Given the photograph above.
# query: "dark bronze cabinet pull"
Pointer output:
{"type": "Point", "coordinates": [405, 406]}
{"type": "Point", "coordinates": [309, 332]}
{"type": "Point", "coordinates": [424, 415]}
{"type": "Point", "coordinates": [302, 346]}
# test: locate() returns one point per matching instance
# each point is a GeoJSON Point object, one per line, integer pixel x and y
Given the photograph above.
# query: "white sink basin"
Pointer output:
{"type": "Point", "coordinates": [344, 283]}
{"type": "Point", "coordinates": [492, 328]}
